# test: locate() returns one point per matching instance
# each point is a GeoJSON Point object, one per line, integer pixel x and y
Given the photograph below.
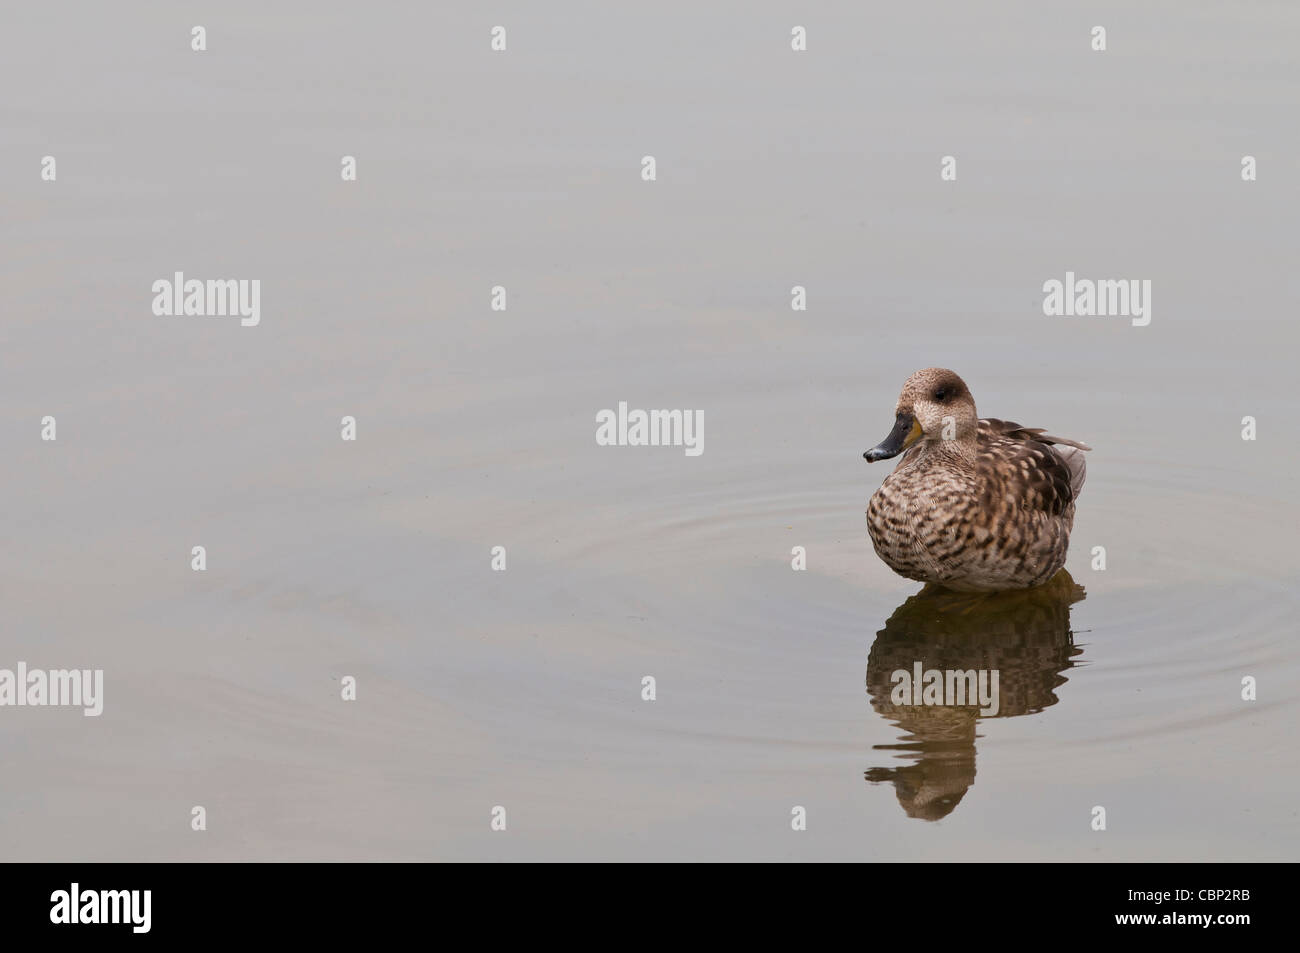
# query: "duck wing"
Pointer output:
{"type": "Point", "coordinates": [1009, 428]}
{"type": "Point", "coordinates": [1046, 472]}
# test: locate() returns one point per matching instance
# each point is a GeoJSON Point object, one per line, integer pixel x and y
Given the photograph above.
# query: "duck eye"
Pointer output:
{"type": "Point", "coordinates": [940, 394]}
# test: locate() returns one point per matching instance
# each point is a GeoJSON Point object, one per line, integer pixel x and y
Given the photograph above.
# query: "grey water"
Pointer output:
{"type": "Point", "coordinates": [1121, 687]}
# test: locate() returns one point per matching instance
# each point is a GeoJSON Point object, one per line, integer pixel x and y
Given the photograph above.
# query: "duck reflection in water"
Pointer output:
{"type": "Point", "coordinates": [1015, 645]}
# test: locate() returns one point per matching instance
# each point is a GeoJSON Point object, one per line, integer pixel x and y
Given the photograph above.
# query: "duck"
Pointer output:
{"type": "Point", "coordinates": [974, 505]}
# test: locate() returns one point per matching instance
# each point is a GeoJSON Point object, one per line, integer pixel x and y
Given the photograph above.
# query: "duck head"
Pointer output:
{"type": "Point", "coordinates": [935, 404]}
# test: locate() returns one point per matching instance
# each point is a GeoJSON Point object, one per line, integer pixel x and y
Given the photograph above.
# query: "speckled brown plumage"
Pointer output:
{"type": "Point", "coordinates": [973, 505]}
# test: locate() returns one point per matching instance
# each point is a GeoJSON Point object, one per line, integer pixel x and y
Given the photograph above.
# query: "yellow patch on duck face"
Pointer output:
{"type": "Point", "coordinates": [907, 431]}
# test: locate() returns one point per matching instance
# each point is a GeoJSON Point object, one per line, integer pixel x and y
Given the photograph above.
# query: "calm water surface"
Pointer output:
{"type": "Point", "coordinates": [476, 429]}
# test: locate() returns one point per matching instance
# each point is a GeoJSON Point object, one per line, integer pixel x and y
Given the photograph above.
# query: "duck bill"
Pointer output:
{"type": "Point", "coordinates": [905, 433]}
